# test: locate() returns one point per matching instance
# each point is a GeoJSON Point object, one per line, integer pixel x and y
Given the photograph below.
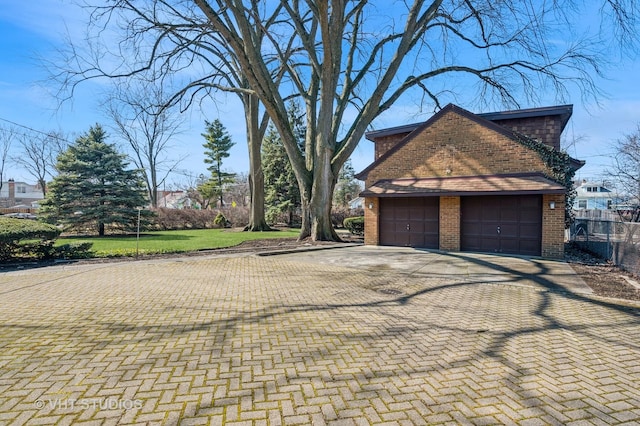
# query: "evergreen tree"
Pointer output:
{"type": "Point", "coordinates": [347, 186]}
{"type": "Point", "coordinates": [282, 196]}
{"type": "Point", "coordinates": [217, 146]}
{"type": "Point", "coordinates": [94, 187]}
{"type": "Point", "coordinates": [282, 193]}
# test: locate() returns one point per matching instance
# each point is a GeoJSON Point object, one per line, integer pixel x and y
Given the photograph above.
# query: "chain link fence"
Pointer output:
{"type": "Point", "coordinates": [610, 239]}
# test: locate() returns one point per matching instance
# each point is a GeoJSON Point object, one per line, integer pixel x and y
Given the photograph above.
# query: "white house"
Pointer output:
{"type": "Point", "coordinates": [594, 196]}
{"type": "Point", "coordinates": [16, 193]}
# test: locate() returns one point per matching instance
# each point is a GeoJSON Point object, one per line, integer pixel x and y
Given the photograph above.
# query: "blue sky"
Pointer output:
{"type": "Point", "coordinates": [32, 30]}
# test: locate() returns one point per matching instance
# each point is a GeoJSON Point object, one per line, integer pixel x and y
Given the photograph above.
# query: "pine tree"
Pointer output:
{"type": "Point", "coordinates": [217, 146]}
{"type": "Point", "coordinates": [282, 195]}
{"type": "Point", "coordinates": [94, 186]}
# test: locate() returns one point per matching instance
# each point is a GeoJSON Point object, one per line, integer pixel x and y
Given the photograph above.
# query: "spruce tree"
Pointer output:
{"type": "Point", "coordinates": [217, 146]}
{"type": "Point", "coordinates": [282, 195]}
{"type": "Point", "coordinates": [94, 187]}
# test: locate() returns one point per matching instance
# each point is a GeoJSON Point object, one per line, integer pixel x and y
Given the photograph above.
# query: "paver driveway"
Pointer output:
{"type": "Point", "coordinates": [308, 339]}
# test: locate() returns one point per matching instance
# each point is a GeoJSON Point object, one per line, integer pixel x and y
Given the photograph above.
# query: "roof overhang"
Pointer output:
{"type": "Point", "coordinates": [512, 184]}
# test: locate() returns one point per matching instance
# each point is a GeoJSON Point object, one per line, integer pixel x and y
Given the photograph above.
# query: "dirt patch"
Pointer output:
{"type": "Point", "coordinates": [604, 278]}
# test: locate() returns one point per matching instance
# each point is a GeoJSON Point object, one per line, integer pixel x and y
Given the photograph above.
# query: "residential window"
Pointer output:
{"type": "Point", "coordinates": [21, 189]}
{"type": "Point", "coordinates": [582, 204]}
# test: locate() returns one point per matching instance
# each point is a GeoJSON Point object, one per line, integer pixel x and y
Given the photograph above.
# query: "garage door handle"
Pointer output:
{"type": "Point", "coordinates": [498, 229]}
{"type": "Point", "coordinates": [408, 227]}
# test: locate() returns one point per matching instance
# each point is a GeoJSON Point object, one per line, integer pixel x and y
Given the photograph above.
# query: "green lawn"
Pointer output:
{"type": "Point", "coordinates": [172, 241]}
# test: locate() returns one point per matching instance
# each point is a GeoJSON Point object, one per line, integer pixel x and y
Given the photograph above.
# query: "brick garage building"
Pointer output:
{"type": "Point", "coordinates": [468, 182]}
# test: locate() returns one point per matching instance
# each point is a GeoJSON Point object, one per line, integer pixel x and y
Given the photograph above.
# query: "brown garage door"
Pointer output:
{"type": "Point", "coordinates": [410, 222]}
{"type": "Point", "coordinates": [502, 224]}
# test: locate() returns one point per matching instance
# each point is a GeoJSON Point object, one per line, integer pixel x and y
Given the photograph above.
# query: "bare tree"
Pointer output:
{"type": "Point", "coordinates": [143, 120]}
{"type": "Point", "coordinates": [37, 156]}
{"type": "Point", "coordinates": [625, 171]}
{"type": "Point", "coordinates": [7, 135]}
{"type": "Point", "coordinates": [349, 62]}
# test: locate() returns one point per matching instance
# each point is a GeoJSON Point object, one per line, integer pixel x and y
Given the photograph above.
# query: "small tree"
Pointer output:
{"type": "Point", "coordinates": [207, 191]}
{"type": "Point", "coordinates": [94, 187]}
{"type": "Point", "coordinates": [217, 146]}
{"type": "Point", "coordinates": [347, 186]}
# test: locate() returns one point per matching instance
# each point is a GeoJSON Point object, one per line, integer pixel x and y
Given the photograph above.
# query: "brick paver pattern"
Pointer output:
{"type": "Point", "coordinates": [271, 340]}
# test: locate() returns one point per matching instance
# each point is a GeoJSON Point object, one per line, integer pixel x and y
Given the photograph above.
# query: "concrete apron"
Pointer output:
{"type": "Point", "coordinates": [478, 267]}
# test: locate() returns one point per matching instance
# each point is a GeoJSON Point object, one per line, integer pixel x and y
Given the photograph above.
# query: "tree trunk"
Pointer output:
{"type": "Point", "coordinates": [153, 193]}
{"type": "Point", "coordinates": [101, 229]}
{"type": "Point", "coordinates": [257, 221]}
{"type": "Point", "coordinates": [316, 209]}
{"type": "Point", "coordinates": [43, 187]}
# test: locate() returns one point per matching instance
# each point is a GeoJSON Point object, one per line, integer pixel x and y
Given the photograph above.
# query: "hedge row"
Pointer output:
{"type": "Point", "coordinates": [22, 239]}
{"type": "Point", "coordinates": [355, 225]}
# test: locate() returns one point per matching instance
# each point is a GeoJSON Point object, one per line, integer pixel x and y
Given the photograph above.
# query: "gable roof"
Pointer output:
{"type": "Point", "coordinates": [482, 119]}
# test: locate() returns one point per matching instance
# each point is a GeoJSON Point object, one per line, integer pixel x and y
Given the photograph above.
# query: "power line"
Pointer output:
{"type": "Point", "coordinates": [31, 129]}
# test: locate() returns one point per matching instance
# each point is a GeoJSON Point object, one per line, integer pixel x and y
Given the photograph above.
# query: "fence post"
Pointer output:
{"type": "Point", "coordinates": [609, 251]}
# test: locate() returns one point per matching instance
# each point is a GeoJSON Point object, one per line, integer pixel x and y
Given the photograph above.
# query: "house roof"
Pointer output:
{"type": "Point", "coordinates": [415, 129]}
{"type": "Point", "coordinates": [511, 184]}
{"type": "Point", "coordinates": [564, 111]}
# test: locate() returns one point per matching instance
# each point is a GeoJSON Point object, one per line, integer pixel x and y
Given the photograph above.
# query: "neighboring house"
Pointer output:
{"type": "Point", "coordinates": [15, 193]}
{"type": "Point", "coordinates": [468, 182]}
{"type": "Point", "coordinates": [594, 196]}
{"type": "Point", "coordinates": [356, 203]}
{"type": "Point", "coordinates": [176, 200]}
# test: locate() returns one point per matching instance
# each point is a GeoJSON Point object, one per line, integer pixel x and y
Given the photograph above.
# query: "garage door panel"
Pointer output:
{"type": "Point", "coordinates": [410, 221]}
{"type": "Point", "coordinates": [509, 230]}
{"type": "Point", "coordinates": [532, 217]}
{"type": "Point", "coordinates": [489, 244]}
{"type": "Point", "coordinates": [529, 247]}
{"type": "Point", "coordinates": [416, 226]}
{"type": "Point", "coordinates": [517, 218]}
{"type": "Point", "coordinates": [509, 216]}
{"type": "Point", "coordinates": [529, 230]}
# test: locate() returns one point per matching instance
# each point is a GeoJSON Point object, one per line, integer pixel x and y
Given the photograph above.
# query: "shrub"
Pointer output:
{"type": "Point", "coordinates": [237, 216]}
{"type": "Point", "coordinates": [20, 238]}
{"type": "Point", "coordinates": [74, 251]}
{"type": "Point", "coordinates": [338, 215]}
{"type": "Point", "coordinates": [221, 221]}
{"type": "Point", "coordinates": [355, 225]}
{"type": "Point", "coordinates": [174, 219]}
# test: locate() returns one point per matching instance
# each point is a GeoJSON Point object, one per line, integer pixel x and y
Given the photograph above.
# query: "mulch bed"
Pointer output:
{"type": "Point", "coordinates": [604, 278]}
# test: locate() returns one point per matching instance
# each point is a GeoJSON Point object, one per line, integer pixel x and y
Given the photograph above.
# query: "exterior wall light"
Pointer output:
{"type": "Point", "coordinates": [552, 205]}
{"type": "Point", "coordinates": [370, 206]}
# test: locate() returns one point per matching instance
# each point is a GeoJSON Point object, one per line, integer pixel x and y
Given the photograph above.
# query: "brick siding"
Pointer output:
{"type": "Point", "coordinates": [450, 223]}
{"type": "Point", "coordinates": [385, 143]}
{"type": "Point", "coordinates": [553, 226]}
{"type": "Point", "coordinates": [371, 236]}
{"type": "Point", "coordinates": [457, 146]}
